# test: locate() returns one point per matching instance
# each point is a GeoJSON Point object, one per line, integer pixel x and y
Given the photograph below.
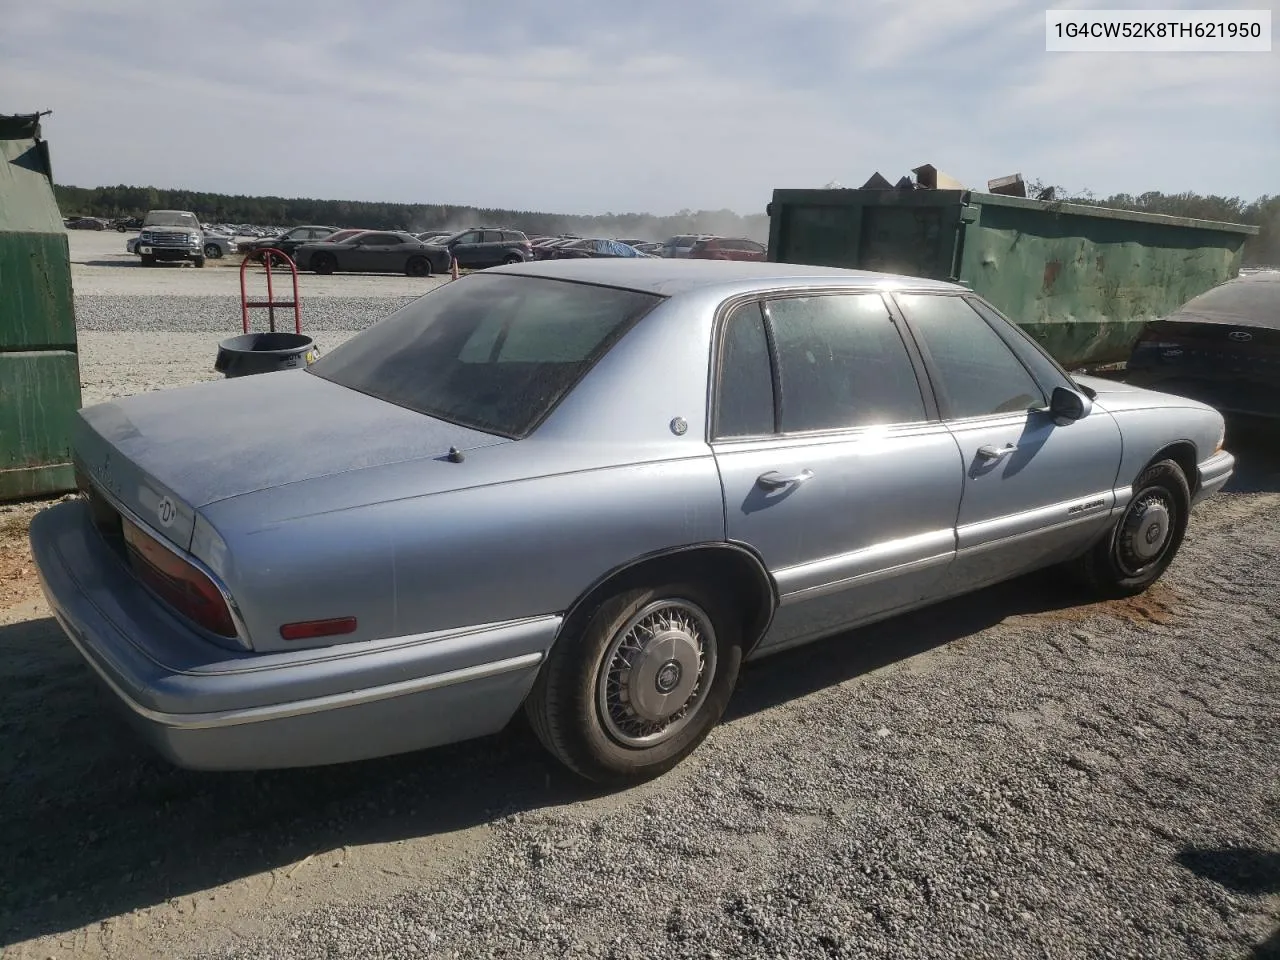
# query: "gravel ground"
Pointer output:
{"type": "Point", "coordinates": [1016, 773]}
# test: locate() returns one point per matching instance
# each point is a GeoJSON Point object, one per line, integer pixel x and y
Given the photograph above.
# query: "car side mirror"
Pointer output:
{"type": "Point", "coordinates": [1067, 406]}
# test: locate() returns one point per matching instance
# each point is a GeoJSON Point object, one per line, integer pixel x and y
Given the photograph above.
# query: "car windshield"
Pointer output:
{"type": "Point", "coordinates": [492, 352]}
{"type": "Point", "coordinates": [171, 218]}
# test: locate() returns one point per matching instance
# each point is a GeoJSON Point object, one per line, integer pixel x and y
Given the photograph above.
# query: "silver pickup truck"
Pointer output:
{"type": "Point", "coordinates": [170, 235]}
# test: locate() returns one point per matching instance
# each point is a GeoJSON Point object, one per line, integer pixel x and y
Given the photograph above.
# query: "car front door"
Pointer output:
{"type": "Point", "coordinates": [1035, 491]}
{"type": "Point", "coordinates": [378, 250]}
{"type": "Point", "coordinates": [834, 466]}
{"type": "Point", "coordinates": [466, 249]}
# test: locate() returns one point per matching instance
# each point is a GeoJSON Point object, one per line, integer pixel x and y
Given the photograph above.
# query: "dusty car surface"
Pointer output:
{"type": "Point", "coordinates": [592, 489]}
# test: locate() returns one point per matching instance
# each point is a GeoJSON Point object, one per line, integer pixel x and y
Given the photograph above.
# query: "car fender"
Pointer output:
{"type": "Point", "coordinates": [415, 563]}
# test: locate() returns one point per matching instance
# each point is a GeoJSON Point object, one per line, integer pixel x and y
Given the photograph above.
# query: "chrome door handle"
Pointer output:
{"type": "Point", "coordinates": [988, 452]}
{"type": "Point", "coordinates": [773, 480]}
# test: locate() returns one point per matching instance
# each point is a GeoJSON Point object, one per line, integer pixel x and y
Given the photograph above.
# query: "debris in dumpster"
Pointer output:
{"type": "Point", "coordinates": [1010, 186]}
{"type": "Point", "coordinates": [931, 178]}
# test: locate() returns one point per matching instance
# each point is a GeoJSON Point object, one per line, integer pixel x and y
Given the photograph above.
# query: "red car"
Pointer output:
{"type": "Point", "coordinates": [728, 248]}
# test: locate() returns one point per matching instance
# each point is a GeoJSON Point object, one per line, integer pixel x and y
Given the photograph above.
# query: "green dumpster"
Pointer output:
{"type": "Point", "coordinates": [1082, 280]}
{"type": "Point", "coordinates": [39, 368]}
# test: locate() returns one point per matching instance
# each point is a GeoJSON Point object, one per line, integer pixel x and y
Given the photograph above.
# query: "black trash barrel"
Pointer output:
{"type": "Point", "coordinates": [252, 353]}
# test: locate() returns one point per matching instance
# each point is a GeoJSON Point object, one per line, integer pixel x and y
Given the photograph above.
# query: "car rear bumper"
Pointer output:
{"type": "Point", "coordinates": [209, 708]}
{"type": "Point", "coordinates": [1213, 474]}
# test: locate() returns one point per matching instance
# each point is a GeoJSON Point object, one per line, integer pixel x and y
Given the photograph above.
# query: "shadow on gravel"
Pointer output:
{"type": "Point", "coordinates": [806, 669]}
{"type": "Point", "coordinates": [1256, 445]}
{"type": "Point", "coordinates": [93, 825]}
{"type": "Point", "coordinates": [1241, 869]}
{"type": "Point", "coordinates": [1246, 870]}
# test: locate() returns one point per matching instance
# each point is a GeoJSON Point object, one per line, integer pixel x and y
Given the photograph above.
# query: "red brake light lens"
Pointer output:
{"type": "Point", "coordinates": [311, 629]}
{"type": "Point", "coordinates": [177, 582]}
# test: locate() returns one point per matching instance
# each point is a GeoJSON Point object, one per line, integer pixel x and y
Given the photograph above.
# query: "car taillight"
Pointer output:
{"type": "Point", "coordinates": [178, 583]}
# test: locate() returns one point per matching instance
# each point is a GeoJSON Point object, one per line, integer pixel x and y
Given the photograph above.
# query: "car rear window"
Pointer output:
{"type": "Point", "coordinates": [491, 352]}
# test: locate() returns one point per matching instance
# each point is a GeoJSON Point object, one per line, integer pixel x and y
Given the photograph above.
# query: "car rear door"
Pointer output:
{"type": "Point", "coordinates": [834, 466]}
{"type": "Point", "coordinates": [1035, 491]}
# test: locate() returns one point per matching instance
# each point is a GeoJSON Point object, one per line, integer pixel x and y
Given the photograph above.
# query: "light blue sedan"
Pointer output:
{"type": "Point", "coordinates": [591, 489]}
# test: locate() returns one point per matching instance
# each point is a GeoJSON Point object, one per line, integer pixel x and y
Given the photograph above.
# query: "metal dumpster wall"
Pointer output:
{"type": "Point", "coordinates": [1082, 280]}
{"type": "Point", "coordinates": [1085, 285]}
{"type": "Point", "coordinates": [39, 366]}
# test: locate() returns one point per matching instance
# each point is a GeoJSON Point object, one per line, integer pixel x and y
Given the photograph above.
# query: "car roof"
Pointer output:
{"type": "Point", "coordinates": [670, 277]}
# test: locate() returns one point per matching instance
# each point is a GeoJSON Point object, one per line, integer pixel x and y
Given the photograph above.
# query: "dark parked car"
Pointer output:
{"type": "Point", "coordinates": [1221, 348]}
{"type": "Point", "coordinates": [480, 247]}
{"type": "Point", "coordinates": [547, 249]}
{"type": "Point", "coordinates": [124, 224]}
{"type": "Point", "coordinates": [429, 236]}
{"type": "Point", "coordinates": [593, 248]}
{"type": "Point", "coordinates": [728, 248]}
{"type": "Point", "coordinates": [374, 251]}
{"type": "Point", "coordinates": [291, 240]}
{"type": "Point", "coordinates": [84, 223]}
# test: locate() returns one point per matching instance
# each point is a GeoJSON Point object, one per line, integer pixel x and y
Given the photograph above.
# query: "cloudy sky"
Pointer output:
{"type": "Point", "coordinates": [586, 107]}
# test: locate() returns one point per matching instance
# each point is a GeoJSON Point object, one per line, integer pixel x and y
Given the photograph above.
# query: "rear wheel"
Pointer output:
{"type": "Point", "coordinates": [418, 267]}
{"type": "Point", "coordinates": [1142, 544]}
{"type": "Point", "coordinates": [640, 684]}
{"type": "Point", "coordinates": [324, 263]}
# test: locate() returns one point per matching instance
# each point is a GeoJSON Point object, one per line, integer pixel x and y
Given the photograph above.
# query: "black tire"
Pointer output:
{"type": "Point", "coordinates": [324, 263]}
{"type": "Point", "coordinates": [148, 259]}
{"type": "Point", "coordinates": [568, 705]}
{"type": "Point", "coordinates": [198, 261]}
{"type": "Point", "coordinates": [418, 267]}
{"type": "Point", "coordinates": [1143, 542]}
{"type": "Point", "coordinates": [213, 251]}
{"type": "Point", "coordinates": [120, 228]}
{"type": "Point", "coordinates": [512, 258]}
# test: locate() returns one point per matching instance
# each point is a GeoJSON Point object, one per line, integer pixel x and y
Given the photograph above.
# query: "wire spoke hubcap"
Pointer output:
{"type": "Point", "coordinates": [656, 673]}
{"type": "Point", "coordinates": [1144, 533]}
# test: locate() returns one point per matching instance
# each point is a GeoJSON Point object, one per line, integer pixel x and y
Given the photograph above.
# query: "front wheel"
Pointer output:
{"type": "Point", "coordinates": [198, 261]}
{"type": "Point", "coordinates": [633, 692]}
{"type": "Point", "coordinates": [418, 267]}
{"type": "Point", "coordinates": [323, 263]}
{"type": "Point", "coordinates": [512, 258]}
{"type": "Point", "coordinates": [148, 259]}
{"type": "Point", "coordinates": [1142, 544]}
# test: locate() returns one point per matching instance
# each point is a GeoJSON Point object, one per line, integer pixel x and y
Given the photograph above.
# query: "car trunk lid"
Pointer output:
{"type": "Point", "coordinates": [164, 455]}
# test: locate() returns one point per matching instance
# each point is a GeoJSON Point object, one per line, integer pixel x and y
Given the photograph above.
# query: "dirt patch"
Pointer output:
{"type": "Point", "coordinates": [18, 582]}
{"type": "Point", "coordinates": [1161, 604]}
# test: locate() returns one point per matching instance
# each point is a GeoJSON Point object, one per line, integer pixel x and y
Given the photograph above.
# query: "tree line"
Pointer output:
{"type": "Point", "coordinates": [120, 201]}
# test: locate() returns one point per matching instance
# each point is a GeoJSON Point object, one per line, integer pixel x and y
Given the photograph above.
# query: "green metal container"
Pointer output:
{"type": "Point", "coordinates": [1082, 280]}
{"type": "Point", "coordinates": [39, 368]}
